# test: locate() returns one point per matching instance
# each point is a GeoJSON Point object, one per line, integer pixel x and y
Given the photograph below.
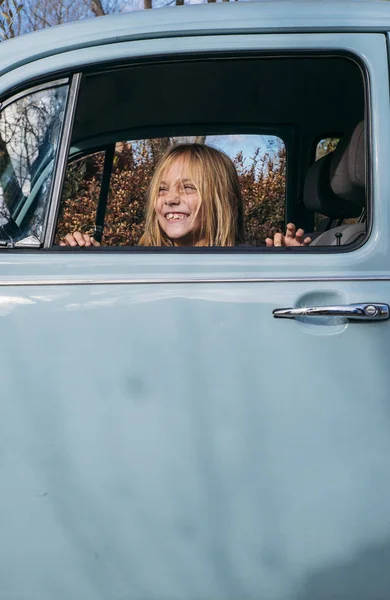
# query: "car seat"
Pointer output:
{"type": "Point", "coordinates": [335, 187]}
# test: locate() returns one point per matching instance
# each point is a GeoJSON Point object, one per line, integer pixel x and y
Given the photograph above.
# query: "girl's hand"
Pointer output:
{"type": "Point", "coordinates": [79, 239]}
{"type": "Point", "coordinates": [293, 237]}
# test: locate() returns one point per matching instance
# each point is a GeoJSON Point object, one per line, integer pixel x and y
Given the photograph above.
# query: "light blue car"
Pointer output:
{"type": "Point", "coordinates": [208, 423]}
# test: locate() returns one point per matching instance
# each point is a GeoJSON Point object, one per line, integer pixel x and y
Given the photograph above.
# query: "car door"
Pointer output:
{"type": "Point", "coordinates": [164, 436]}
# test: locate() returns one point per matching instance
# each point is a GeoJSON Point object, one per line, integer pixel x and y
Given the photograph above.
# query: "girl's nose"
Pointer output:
{"type": "Point", "coordinates": [172, 198]}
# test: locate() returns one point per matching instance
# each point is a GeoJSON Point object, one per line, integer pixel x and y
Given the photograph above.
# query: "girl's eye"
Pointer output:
{"type": "Point", "coordinates": [162, 190]}
{"type": "Point", "coordinates": [189, 188]}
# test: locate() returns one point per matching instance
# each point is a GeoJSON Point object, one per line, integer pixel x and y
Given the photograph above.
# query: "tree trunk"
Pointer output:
{"type": "Point", "coordinates": [148, 4]}
{"type": "Point", "coordinates": [158, 147]}
{"type": "Point", "coordinates": [10, 185]}
{"type": "Point", "coordinates": [97, 8]}
{"type": "Point", "coordinates": [200, 139]}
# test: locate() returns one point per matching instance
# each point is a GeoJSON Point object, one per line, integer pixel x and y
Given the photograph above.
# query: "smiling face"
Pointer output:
{"type": "Point", "coordinates": [178, 205]}
{"type": "Point", "coordinates": [194, 199]}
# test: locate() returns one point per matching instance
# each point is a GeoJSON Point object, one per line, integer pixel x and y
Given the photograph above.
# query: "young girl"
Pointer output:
{"type": "Point", "coordinates": [194, 199]}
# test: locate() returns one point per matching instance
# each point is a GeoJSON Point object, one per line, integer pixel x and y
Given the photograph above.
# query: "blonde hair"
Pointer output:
{"type": "Point", "coordinates": [216, 181]}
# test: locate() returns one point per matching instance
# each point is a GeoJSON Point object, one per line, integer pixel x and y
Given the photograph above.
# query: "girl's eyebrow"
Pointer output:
{"type": "Point", "coordinates": [178, 180]}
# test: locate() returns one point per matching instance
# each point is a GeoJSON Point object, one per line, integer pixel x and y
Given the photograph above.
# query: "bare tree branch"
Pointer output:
{"type": "Point", "coordinates": [12, 187]}
{"type": "Point", "coordinates": [9, 11]}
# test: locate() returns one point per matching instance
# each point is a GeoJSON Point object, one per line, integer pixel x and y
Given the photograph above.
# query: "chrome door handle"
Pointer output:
{"type": "Point", "coordinates": [367, 311]}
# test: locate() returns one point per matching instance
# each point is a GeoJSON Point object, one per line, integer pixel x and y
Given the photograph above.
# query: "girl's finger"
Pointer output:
{"type": "Point", "coordinates": [79, 238]}
{"type": "Point", "coordinates": [69, 239]}
{"type": "Point", "coordinates": [95, 242]}
{"type": "Point", "coordinates": [290, 230]}
{"type": "Point", "coordinates": [269, 243]}
{"type": "Point", "coordinates": [307, 241]}
{"type": "Point", "coordinates": [300, 237]}
{"type": "Point", "coordinates": [278, 239]}
{"type": "Point", "coordinates": [87, 240]}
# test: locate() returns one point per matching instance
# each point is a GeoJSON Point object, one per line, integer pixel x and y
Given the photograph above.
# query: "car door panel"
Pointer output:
{"type": "Point", "coordinates": [190, 464]}
{"type": "Point", "coordinates": [164, 436]}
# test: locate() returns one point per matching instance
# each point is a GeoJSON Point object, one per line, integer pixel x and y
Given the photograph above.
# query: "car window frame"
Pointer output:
{"type": "Point", "coordinates": [61, 161]}
{"type": "Point", "coordinates": [291, 147]}
{"type": "Point", "coordinates": [30, 242]}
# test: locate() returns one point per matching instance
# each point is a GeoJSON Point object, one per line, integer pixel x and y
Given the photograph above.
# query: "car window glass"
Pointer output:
{"type": "Point", "coordinates": [124, 106]}
{"type": "Point", "coordinates": [325, 146]}
{"type": "Point", "coordinates": [80, 195]}
{"type": "Point", "coordinates": [260, 161]}
{"type": "Point", "coordinates": [29, 135]}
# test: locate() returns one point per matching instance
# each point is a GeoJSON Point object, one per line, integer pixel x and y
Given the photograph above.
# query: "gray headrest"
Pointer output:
{"type": "Point", "coordinates": [318, 195]}
{"type": "Point", "coordinates": [348, 167]}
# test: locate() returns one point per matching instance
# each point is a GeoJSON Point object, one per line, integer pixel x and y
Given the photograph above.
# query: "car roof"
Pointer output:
{"type": "Point", "coordinates": [203, 19]}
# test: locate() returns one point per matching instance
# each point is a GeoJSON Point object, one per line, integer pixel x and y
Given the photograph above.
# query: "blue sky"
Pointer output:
{"type": "Point", "coordinates": [248, 144]}
{"type": "Point", "coordinates": [232, 144]}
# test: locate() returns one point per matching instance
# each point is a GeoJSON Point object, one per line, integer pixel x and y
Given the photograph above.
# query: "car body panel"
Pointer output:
{"type": "Point", "coordinates": [162, 435]}
{"type": "Point", "coordinates": [129, 51]}
{"type": "Point", "coordinates": [163, 440]}
{"type": "Point", "coordinates": [200, 20]}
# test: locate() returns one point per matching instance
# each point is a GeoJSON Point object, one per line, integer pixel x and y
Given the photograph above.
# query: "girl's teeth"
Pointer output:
{"type": "Point", "coordinates": [175, 216]}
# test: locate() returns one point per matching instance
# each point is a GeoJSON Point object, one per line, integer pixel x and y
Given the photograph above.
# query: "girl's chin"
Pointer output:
{"type": "Point", "coordinates": [181, 238]}
{"type": "Point", "coordinates": [179, 234]}
{"type": "Point", "coordinates": [175, 233]}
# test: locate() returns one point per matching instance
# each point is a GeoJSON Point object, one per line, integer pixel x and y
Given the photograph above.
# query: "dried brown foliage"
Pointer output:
{"type": "Point", "coordinates": [262, 184]}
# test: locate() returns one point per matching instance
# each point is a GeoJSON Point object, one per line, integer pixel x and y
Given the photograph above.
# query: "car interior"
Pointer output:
{"type": "Point", "coordinates": [298, 99]}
